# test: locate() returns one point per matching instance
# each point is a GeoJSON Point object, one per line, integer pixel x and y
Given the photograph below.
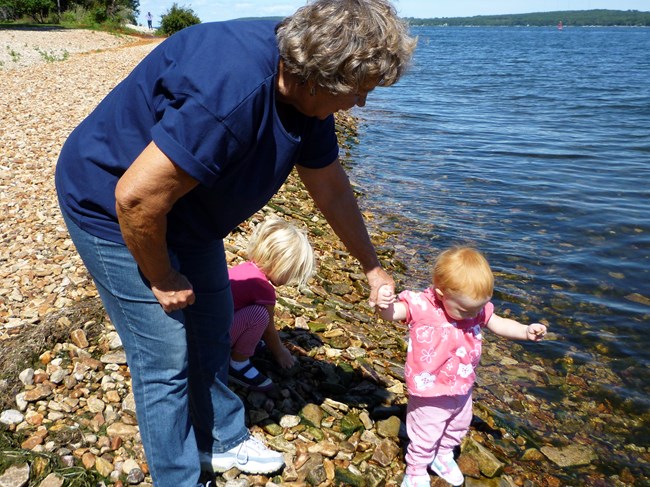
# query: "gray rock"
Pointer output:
{"type": "Point", "coordinates": [21, 402]}
{"type": "Point", "coordinates": [389, 428]}
{"type": "Point", "coordinates": [312, 470]}
{"type": "Point", "coordinates": [128, 404]}
{"type": "Point", "coordinates": [135, 476]}
{"type": "Point", "coordinates": [11, 417]}
{"type": "Point", "coordinates": [385, 452]}
{"type": "Point", "coordinates": [15, 476]}
{"type": "Point", "coordinates": [118, 357]}
{"type": "Point", "coordinates": [289, 421]}
{"type": "Point", "coordinates": [312, 414]}
{"type": "Point", "coordinates": [489, 465]}
{"type": "Point", "coordinates": [570, 456]}
{"type": "Point", "coordinates": [27, 376]}
{"type": "Point", "coordinates": [237, 483]}
{"type": "Point", "coordinates": [52, 480]}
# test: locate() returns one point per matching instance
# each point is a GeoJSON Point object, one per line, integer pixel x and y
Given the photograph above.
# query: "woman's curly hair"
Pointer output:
{"type": "Point", "coordinates": [346, 45]}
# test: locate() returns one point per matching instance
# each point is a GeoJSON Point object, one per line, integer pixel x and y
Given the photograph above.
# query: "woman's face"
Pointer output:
{"type": "Point", "coordinates": [322, 103]}
{"type": "Point", "coordinates": [328, 103]}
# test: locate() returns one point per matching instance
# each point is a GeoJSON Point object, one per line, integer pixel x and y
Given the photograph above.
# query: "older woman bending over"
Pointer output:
{"type": "Point", "coordinates": [195, 140]}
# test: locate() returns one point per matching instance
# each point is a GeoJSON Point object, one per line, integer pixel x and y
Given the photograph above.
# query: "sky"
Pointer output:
{"type": "Point", "coordinates": [215, 10]}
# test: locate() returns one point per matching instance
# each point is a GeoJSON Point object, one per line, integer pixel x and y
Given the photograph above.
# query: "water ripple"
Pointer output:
{"type": "Point", "coordinates": [533, 146]}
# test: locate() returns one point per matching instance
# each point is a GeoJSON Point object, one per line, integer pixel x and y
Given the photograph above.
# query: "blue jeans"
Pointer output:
{"type": "Point", "coordinates": [178, 361]}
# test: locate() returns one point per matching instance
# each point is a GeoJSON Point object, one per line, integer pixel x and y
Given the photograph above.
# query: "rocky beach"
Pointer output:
{"type": "Point", "coordinates": [67, 416]}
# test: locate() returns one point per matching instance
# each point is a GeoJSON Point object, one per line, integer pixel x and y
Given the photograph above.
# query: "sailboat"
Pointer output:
{"type": "Point", "coordinates": [560, 26]}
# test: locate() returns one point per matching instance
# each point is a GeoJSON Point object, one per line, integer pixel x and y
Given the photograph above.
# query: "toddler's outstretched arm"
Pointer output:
{"type": "Point", "coordinates": [514, 330]}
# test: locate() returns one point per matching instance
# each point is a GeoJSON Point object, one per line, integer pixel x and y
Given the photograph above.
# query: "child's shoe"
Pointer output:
{"type": "Point", "coordinates": [416, 481]}
{"type": "Point", "coordinates": [253, 380]}
{"type": "Point", "coordinates": [447, 468]}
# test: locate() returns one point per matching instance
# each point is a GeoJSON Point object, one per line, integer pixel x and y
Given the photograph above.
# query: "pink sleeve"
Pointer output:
{"type": "Point", "coordinates": [403, 297]}
{"type": "Point", "coordinates": [489, 311]}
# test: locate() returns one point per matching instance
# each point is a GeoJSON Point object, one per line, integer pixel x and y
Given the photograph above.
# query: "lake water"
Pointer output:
{"type": "Point", "coordinates": [534, 145]}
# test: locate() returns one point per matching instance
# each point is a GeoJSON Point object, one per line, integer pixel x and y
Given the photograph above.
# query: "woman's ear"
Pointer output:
{"type": "Point", "coordinates": [439, 293]}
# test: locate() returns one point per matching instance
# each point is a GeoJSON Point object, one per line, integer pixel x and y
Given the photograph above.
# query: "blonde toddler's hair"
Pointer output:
{"type": "Point", "coordinates": [282, 252]}
{"type": "Point", "coordinates": [463, 271]}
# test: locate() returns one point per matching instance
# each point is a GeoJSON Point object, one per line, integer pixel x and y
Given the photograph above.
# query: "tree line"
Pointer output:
{"type": "Point", "coordinates": [569, 18]}
{"type": "Point", "coordinates": [91, 13]}
{"type": "Point", "coordinates": [55, 11]}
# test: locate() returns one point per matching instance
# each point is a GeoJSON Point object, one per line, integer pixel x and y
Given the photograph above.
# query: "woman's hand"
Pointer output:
{"type": "Point", "coordinates": [174, 292]}
{"type": "Point", "coordinates": [378, 278]}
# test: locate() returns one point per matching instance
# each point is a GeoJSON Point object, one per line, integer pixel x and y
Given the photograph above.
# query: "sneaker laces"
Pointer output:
{"type": "Point", "coordinates": [242, 452]}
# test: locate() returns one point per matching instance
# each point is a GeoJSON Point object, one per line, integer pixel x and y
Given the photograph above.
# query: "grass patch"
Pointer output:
{"type": "Point", "coordinates": [23, 351]}
{"type": "Point", "coordinates": [51, 57]}
{"type": "Point", "coordinates": [15, 56]}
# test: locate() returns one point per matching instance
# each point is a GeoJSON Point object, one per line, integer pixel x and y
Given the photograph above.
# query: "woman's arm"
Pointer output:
{"type": "Point", "coordinates": [333, 195]}
{"type": "Point", "coordinates": [144, 195]}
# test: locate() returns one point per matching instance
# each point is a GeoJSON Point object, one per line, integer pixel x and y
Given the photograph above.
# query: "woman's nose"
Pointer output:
{"type": "Point", "coordinates": [360, 100]}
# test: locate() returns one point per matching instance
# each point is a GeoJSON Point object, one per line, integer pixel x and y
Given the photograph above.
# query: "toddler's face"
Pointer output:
{"type": "Point", "coordinates": [461, 307]}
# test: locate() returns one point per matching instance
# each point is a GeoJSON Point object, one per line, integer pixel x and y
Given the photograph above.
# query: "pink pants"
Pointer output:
{"type": "Point", "coordinates": [247, 328]}
{"type": "Point", "coordinates": [435, 426]}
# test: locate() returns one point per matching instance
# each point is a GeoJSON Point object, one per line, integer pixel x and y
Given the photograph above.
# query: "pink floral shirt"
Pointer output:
{"type": "Point", "coordinates": [442, 352]}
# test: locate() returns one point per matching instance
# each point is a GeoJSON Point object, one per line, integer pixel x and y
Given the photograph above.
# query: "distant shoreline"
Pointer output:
{"type": "Point", "coordinates": [569, 18]}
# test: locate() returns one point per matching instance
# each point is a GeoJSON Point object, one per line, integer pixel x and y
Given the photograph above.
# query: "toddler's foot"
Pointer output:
{"type": "Point", "coordinates": [447, 468]}
{"type": "Point", "coordinates": [416, 481]}
{"type": "Point", "coordinates": [248, 376]}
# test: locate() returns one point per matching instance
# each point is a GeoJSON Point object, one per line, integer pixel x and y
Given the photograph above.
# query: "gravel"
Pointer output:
{"type": "Point", "coordinates": [21, 47]}
{"type": "Point", "coordinates": [40, 104]}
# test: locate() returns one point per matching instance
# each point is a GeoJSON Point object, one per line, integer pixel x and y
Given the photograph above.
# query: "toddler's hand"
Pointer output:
{"type": "Point", "coordinates": [385, 297]}
{"type": "Point", "coordinates": [536, 332]}
{"type": "Point", "coordinates": [284, 358]}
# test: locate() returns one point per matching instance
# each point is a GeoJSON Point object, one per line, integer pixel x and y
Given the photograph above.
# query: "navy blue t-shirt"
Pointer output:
{"type": "Point", "coordinates": [206, 97]}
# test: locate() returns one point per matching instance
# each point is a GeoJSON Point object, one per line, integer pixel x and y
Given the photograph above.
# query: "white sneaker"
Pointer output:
{"type": "Point", "coordinates": [447, 468]}
{"type": "Point", "coordinates": [416, 481]}
{"type": "Point", "coordinates": [250, 456]}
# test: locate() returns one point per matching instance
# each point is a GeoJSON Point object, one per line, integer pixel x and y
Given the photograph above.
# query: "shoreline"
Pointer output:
{"type": "Point", "coordinates": [338, 418]}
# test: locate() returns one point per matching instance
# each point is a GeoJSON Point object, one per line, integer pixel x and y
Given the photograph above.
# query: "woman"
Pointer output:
{"type": "Point", "coordinates": [195, 140]}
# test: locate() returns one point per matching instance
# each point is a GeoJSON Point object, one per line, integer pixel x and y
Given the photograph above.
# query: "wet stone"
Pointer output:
{"type": "Point", "coordinates": [312, 415]}
{"type": "Point", "coordinates": [569, 456]}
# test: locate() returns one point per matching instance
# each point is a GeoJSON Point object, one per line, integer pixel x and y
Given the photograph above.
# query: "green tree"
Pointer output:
{"type": "Point", "coordinates": [37, 10]}
{"type": "Point", "coordinates": [118, 10]}
{"type": "Point", "coordinates": [177, 18]}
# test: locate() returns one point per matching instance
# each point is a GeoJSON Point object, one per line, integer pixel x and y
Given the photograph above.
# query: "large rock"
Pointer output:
{"type": "Point", "coordinates": [15, 476]}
